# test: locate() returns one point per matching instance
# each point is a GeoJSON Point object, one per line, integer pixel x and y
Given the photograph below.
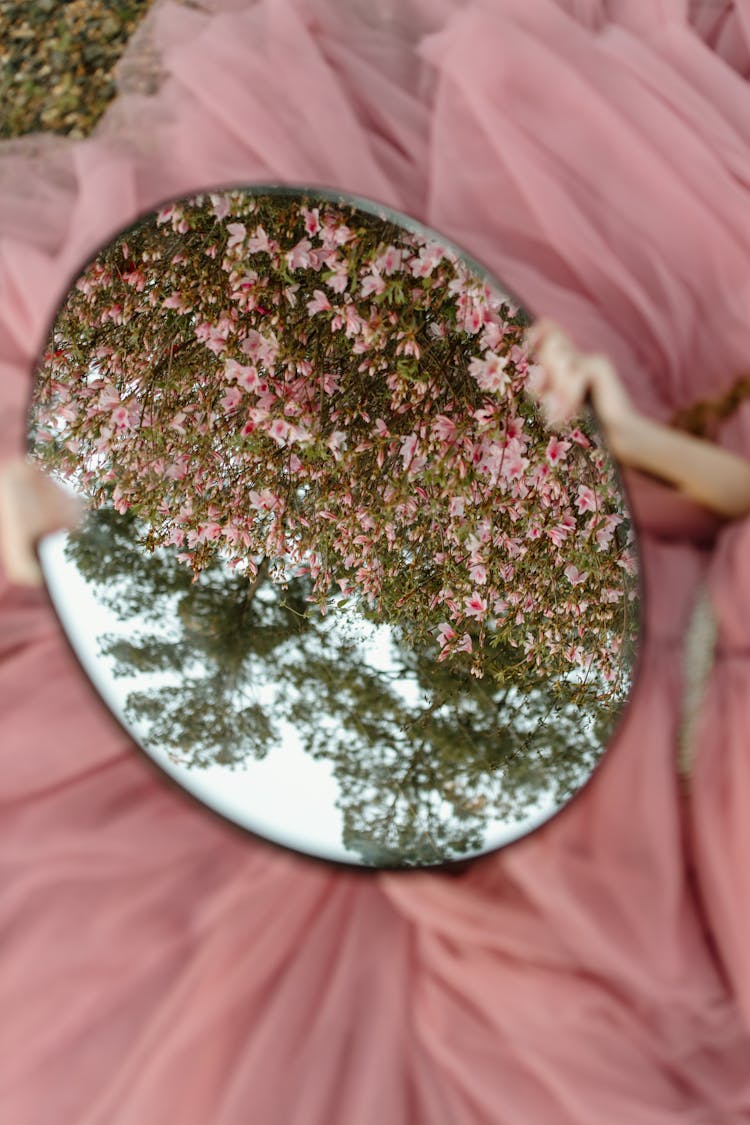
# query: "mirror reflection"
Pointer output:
{"type": "Point", "coordinates": [338, 576]}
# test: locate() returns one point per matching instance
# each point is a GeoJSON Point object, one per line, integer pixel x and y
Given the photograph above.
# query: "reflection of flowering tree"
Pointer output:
{"type": "Point", "coordinates": [420, 772]}
{"type": "Point", "coordinates": [259, 377]}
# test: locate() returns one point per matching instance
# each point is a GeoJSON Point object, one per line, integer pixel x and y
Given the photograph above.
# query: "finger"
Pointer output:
{"type": "Point", "coordinates": [538, 332]}
{"type": "Point", "coordinates": [563, 403]}
{"type": "Point", "coordinates": [17, 557]}
{"type": "Point", "coordinates": [548, 338]}
{"type": "Point", "coordinates": [32, 505]}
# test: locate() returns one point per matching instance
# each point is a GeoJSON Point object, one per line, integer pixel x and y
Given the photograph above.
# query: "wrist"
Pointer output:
{"type": "Point", "coordinates": [620, 431]}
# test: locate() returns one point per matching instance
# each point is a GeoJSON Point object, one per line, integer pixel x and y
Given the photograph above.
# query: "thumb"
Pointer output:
{"type": "Point", "coordinates": [32, 505]}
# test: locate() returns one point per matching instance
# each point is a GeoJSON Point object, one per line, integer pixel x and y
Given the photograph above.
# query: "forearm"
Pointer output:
{"type": "Point", "coordinates": [710, 475]}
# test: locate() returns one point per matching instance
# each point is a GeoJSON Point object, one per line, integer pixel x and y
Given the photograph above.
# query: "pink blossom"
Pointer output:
{"type": "Point", "coordinates": [465, 644]}
{"type": "Point", "coordinates": [136, 278]}
{"type": "Point", "coordinates": [444, 428]}
{"type": "Point", "coordinates": [514, 464]}
{"type": "Point", "coordinates": [247, 378]}
{"type": "Point", "coordinates": [301, 434]}
{"type": "Point", "coordinates": [113, 313]}
{"type": "Point", "coordinates": [264, 500]}
{"type": "Point", "coordinates": [540, 476]}
{"type": "Point", "coordinates": [251, 344]}
{"type": "Point", "coordinates": [429, 257]}
{"type": "Point", "coordinates": [411, 460]}
{"type": "Point", "coordinates": [580, 438]}
{"type": "Point", "coordinates": [556, 450]}
{"type": "Point", "coordinates": [605, 533]}
{"type": "Point", "coordinates": [492, 335]}
{"type": "Point", "coordinates": [177, 469]}
{"type": "Point", "coordinates": [478, 572]}
{"type": "Point", "coordinates": [209, 531]}
{"type": "Point", "coordinates": [214, 336]}
{"type": "Point", "coordinates": [586, 501]}
{"type": "Point", "coordinates": [237, 232]}
{"type": "Point", "coordinates": [486, 416]}
{"type": "Point", "coordinates": [259, 242]}
{"type": "Point", "coordinates": [109, 397]}
{"type": "Point", "coordinates": [339, 280]}
{"type": "Point", "coordinates": [489, 372]}
{"type": "Point", "coordinates": [627, 562]}
{"type": "Point", "coordinates": [558, 535]}
{"type": "Point", "coordinates": [492, 456]}
{"type": "Point", "coordinates": [390, 260]}
{"type": "Point", "coordinates": [231, 399]}
{"type": "Point", "coordinates": [446, 633]}
{"type": "Point", "coordinates": [337, 441]}
{"type": "Point", "coordinates": [341, 234]}
{"type": "Point", "coordinates": [409, 347]}
{"type": "Point", "coordinates": [476, 606]}
{"type": "Point", "coordinates": [220, 206]}
{"type": "Point", "coordinates": [574, 575]}
{"type": "Point", "coordinates": [352, 320]}
{"type": "Point", "coordinates": [312, 219]}
{"type": "Point", "coordinates": [514, 429]}
{"type": "Point", "coordinates": [473, 321]}
{"type": "Point", "coordinates": [175, 301]}
{"type": "Point", "coordinates": [373, 283]}
{"type": "Point", "coordinates": [279, 431]}
{"type": "Point", "coordinates": [121, 418]}
{"type": "Point", "coordinates": [268, 349]}
{"type": "Point", "coordinates": [319, 303]}
{"type": "Point", "coordinates": [299, 256]}
{"type": "Point", "coordinates": [167, 213]}
{"type": "Point", "coordinates": [231, 368]}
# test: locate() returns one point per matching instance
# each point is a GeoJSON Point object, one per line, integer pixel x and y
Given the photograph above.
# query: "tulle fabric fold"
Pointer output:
{"type": "Point", "coordinates": [719, 796]}
{"type": "Point", "coordinates": [157, 964]}
{"type": "Point", "coordinates": [600, 179]}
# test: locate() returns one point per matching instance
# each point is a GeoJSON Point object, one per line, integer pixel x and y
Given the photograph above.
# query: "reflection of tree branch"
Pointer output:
{"type": "Point", "coordinates": [434, 706]}
{"type": "Point", "coordinates": [417, 759]}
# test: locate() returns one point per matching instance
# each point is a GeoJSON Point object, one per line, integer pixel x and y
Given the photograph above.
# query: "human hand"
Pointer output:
{"type": "Point", "coordinates": [32, 505]}
{"type": "Point", "coordinates": [569, 378]}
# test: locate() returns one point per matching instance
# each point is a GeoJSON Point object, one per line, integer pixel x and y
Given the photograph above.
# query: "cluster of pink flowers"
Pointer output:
{"type": "Point", "coordinates": [264, 377]}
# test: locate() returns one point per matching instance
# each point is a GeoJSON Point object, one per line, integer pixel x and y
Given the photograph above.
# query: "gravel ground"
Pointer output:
{"type": "Point", "coordinates": [56, 62]}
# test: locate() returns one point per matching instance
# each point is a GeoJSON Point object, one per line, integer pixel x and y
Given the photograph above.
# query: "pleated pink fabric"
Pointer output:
{"type": "Point", "coordinates": [156, 964]}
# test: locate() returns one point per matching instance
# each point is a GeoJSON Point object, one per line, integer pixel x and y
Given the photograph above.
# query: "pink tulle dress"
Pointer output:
{"type": "Point", "coordinates": [156, 965]}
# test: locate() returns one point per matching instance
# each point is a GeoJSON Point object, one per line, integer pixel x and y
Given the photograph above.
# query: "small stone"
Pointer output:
{"type": "Point", "coordinates": [110, 27]}
{"type": "Point", "coordinates": [91, 53]}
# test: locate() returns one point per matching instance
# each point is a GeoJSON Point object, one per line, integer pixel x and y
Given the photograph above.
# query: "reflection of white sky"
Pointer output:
{"type": "Point", "coordinates": [288, 796]}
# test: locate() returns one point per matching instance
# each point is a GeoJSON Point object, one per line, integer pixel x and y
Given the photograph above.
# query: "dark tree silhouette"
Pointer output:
{"type": "Point", "coordinates": [418, 782]}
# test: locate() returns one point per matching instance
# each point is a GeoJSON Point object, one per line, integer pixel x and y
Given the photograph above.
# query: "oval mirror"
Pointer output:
{"type": "Point", "coordinates": [337, 577]}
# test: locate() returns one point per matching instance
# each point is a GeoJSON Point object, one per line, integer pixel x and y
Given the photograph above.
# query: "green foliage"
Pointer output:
{"type": "Point", "coordinates": [418, 782]}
